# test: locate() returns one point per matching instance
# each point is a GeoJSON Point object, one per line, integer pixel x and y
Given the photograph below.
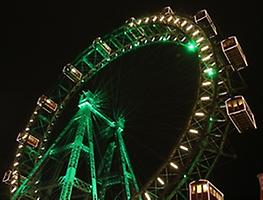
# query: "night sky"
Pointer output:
{"type": "Point", "coordinates": [39, 38]}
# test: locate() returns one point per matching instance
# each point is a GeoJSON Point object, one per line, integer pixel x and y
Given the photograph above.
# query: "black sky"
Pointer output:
{"type": "Point", "coordinates": [38, 38]}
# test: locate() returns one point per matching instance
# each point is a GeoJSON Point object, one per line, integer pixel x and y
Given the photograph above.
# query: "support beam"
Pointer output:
{"type": "Point", "coordinates": [68, 182]}
{"type": "Point", "coordinates": [92, 159]}
{"type": "Point", "coordinates": [23, 187]}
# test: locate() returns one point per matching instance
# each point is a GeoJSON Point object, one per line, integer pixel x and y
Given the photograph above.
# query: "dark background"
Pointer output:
{"type": "Point", "coordinates": [39, 38]}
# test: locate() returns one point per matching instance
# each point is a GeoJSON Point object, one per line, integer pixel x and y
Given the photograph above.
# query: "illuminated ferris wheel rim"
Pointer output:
{"type": "Point", "coordinates": [164, 27]}
{"type": "Point", "coordinates": [178, 32]}
{"type": "Point", "coordinates": [181, 31]}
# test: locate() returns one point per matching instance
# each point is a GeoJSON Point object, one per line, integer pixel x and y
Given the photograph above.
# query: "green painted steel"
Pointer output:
{"type": "Point", "coordinates": [127, 175]}
{"type": "Point", "coordinates": [135, 33]}
{"type": "Point", "coordinates": [91, 157]}
{"type": "Point", "coordinates": [76, 148]}
{"type": "Point", "coordinates": [22, 189]}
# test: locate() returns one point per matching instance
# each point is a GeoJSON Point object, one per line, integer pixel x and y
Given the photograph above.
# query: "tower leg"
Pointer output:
{"type": "Point", "coordinates": [126, 175]}
{"type": "Point", "coordinates": [129, 179]}
{"type": "Point", "coordinates": [68, 182]}
{"type": "Point", "coordinates": [92, 160]}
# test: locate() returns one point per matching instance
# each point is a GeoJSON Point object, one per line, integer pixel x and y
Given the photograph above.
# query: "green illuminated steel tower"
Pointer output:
{"type": "Point", "coordinates": [100, 179]}
{"type": "Point", "coordinates": [87, 108]}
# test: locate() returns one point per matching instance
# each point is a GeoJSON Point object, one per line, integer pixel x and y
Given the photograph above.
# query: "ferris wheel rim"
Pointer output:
{"type": "Point", "coordinates": [174, 25]}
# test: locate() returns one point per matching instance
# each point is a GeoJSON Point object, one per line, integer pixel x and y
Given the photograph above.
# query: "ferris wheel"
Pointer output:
{"type": "Point", "coordinates": [72, 148]}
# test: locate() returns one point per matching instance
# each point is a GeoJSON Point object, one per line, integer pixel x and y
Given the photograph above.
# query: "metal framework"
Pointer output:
{"type": "Point", "coordinates": [193, 156]}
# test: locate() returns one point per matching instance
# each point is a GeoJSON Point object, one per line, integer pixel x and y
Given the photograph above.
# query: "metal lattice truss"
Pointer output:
{"type": "Point", "coordinates": [197, 148]}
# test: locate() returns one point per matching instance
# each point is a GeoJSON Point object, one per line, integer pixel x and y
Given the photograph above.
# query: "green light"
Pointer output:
{"type": "Point", "coordinates": [191, 46]}
{"type": "Point", "coordinates": [137, 43]}
{"type": "Point", "coordinates": [210, 73]}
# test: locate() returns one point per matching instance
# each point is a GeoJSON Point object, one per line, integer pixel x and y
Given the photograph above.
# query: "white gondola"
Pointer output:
{"type": "Point", "coordinates": [47, 104]}
{"type": "Point", "coordinates": [234, 53]}
{"type": "Point", "coordinates": [25, 137]}
{"type": "Point", "coordinates": [203, 19]}
{"type": "Point", "coordinates": [72, 72]}
{"type": "Point", "coordinates": [240, 113]}
{"type": "Point", "coordinates": [102, 47]}
{"type": "Point", "coordinates": [204, 190]}
{"type": "Point", "coordinates": [7, 177]}
{"type": "Point", "coordinates": [13, 178]}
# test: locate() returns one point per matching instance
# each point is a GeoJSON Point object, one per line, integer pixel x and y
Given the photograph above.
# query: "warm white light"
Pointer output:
{"type": "Point", "coordinates": [199, 114]}
{"type": "Point", "coordinates": [147, 196]}
{"type": "Point", "coordinates": [13, 182]}
{"type": "Point", "coordinates": [160, 181]}
{"type": "Point", "coordinates": [35, 112]}
{"type": "Point", "coordinates": [24, 136]}
{"type": "Point", "coordinates": [205, 187]}
{"type": "Point", "coordinates": [205, 98]}
{"type": "Point", "coordinates": [199, 188]}
{"type": "Point", "coordinates": [193, 131]}
{"type": "Point", "coordinates": [199, 40]}
{"type": "Point", "coordinates": [14, 172]}
{"type": "Point", "coordinates": [176, 20]}
{"type": "Point", "coordinates": [20, 146]}
{"type": "Point", "coordinates": [13, 190]}
{"type": "Point", "coordinates": [174, 165]}
{"type": "Point", "coordinates": [16, 163]}
{"type": "Point", "coordinates": [18, 155]}
{"type": "Point", "coordinates": [183, 39]}
{"type": "Point", "coordinates": [213, 64]}
{"type": "Point", "coordinates": [222, 93]}
{"type": "Point", "coordinates": [183, 23]}
{"type": "Point", "coordinates": [161, 18]}
{"type": "Point", "coordinates": [146, 20]}
{"type": "Point", "coordinates": [15, 176]}
{"type": "Point", "coordinates": [73, 70]}
{"type": "Point", "coordinates": [206, 83]}
{"type": "Point", "coordinates": [207, 58]}
{"type": "Point", "coordinates": [139, 21]}
{"type": "Point", "coordinates": [154, 18]}
{"type": "Point", "coordinates": [195, 33]}
{"type": "Point", "coordinates": [27, 129]}
{"type": "Point", "coordinates": [31, 120]}
{"type": "Point", "coordinates": [170, 18]}
{"type": "Point", "coordinates": [189, 27]}
{"type": "Point", "coordinates": [205, 48]}
{"type": "Point", "coordinates": [183, 148]}
{"type": "Point", "coordinates": [220, 120]}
